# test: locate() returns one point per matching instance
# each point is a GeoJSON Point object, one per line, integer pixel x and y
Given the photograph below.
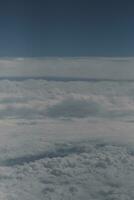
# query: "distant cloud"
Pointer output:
{"type": "Point", "coordinates": [98, 67]}
{"type": "Point", "coordinates": [41, 99]}
{"type": "Point", "coordinates": [75, 107]}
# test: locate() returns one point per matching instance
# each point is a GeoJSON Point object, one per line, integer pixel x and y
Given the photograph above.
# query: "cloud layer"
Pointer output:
{"type": "Point", "coordinates": [74, 170]}
{"type": "Point", "coordinates": [108, 68]}
{"type": "Point", "coordinates": [66, 140]}
{"type": "Point", "coordinates": [40, 99]}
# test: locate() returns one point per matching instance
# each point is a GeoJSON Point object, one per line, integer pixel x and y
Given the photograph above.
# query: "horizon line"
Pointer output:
{"type": "Point", "coordinates": [63, 79]}
{"type": "Point", "coordinates": [26, 57]}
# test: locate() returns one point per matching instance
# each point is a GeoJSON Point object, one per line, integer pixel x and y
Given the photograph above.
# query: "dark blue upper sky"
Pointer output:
{"type": "Point", "coordinates": [66, 28]}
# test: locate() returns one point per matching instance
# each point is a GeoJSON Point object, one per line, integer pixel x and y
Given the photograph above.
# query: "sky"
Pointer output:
{"type": "Point", "coordinates": [67, 28]}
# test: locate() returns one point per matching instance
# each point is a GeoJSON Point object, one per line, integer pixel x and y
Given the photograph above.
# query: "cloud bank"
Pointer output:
{"type": "Point", "coordinates": [66, 140]}
{"type": "Point", "coordinates": [108, 68]}
{"type": "Point", "coordinates": [74, 170]}
{"type": "Point", "coordinates": [40, 99]}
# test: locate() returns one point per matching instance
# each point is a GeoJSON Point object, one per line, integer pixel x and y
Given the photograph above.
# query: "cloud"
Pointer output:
{"type": "Point", "coordinates": [40, 99]}
{"type": "Point", "coordinates": [108, 68]}
{"type": "Point", "coordinates": [44, 157]}
{"type": "Point", "coordinates": [91, 169]}
{"type": "Point", "coordinates": [75, 107]}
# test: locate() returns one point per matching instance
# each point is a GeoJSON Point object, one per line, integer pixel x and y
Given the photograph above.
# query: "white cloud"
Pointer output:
{"type": "Point", "coordinates": [89, 169]}
{"type": "Point", "coordinates": [111, 68]}
{"type": "Point", "coordinates": [39, 99]}
{"type": "Point", "coordinates": [88, 154]}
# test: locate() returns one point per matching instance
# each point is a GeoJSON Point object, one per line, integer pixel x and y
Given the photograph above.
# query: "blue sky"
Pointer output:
{"type": "Point", "coordinates": [66, 28]}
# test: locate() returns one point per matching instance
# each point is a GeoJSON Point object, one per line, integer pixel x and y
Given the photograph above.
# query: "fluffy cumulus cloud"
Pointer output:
{"type": "Point", "coordinates": [74, 170]}
{"type": "Point", "coordinates": [40, 99]}
{"type": "Point", "coordinates": [109, 68]}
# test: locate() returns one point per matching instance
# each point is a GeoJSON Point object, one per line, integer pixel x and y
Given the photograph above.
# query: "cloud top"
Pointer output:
{"type": "Point", "coordinates": [41, 99]}
{"type": "Point", "coordinates": [94, 67]}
